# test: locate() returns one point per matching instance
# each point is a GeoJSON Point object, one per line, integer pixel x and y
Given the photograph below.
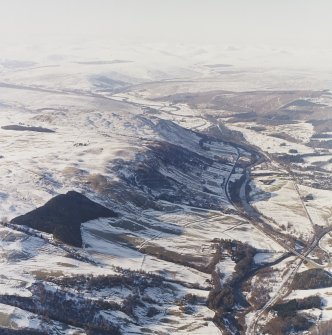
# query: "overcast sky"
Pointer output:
{"type": "Point", "coordinates": [277, 23]}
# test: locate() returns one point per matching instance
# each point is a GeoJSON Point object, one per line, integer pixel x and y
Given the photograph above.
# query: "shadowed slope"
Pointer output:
{"type": "Point", "coordinates": [62, 216]}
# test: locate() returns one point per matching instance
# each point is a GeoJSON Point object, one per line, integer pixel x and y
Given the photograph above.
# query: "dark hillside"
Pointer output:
{"type": "Point", "coordinates": [62, 216]}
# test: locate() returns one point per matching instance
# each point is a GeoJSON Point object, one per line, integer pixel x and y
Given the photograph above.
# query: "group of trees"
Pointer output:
{"type": "Point", "coordinates": [69, 308]}
{"type": "Point", "coordinates": [288, 325]}
{"type": "Point", "coordinates": [125, 278]}
{"type": "Point", "coordinates": [312, 279]}
{"type": "Point", "coordinates": [73, 309]}
{"type": "Point", "coordinates": [225, 299]}
{"type": "Point", "coordinates": [290, 307]}
{"type": "Point", "coordinates": [287, 320]}
{"type": "Point", "coordinates": [322, 328]}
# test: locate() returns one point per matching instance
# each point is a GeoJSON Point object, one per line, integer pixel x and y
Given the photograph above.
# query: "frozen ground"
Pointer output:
{"type": "Point", "coordinates": [165, 168]}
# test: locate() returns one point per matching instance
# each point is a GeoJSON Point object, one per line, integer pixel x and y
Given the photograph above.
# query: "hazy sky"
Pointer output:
{"type": "Point", "coordinates": [277, 23]}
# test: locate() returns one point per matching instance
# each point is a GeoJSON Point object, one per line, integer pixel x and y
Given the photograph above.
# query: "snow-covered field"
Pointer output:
{"type": "Point", "coordinates": [103, 131]}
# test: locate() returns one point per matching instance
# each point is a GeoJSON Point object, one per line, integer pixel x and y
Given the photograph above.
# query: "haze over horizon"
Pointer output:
{"type": "Point", "coordinates": [297, 30]}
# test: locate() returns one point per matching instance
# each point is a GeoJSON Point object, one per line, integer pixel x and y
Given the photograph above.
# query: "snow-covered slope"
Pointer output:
{"type": "Point", "coordinates": [194, 234]}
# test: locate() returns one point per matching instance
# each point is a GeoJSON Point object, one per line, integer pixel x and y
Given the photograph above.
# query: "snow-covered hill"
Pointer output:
{"type": "Point", "coordinates": [212, 211]}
